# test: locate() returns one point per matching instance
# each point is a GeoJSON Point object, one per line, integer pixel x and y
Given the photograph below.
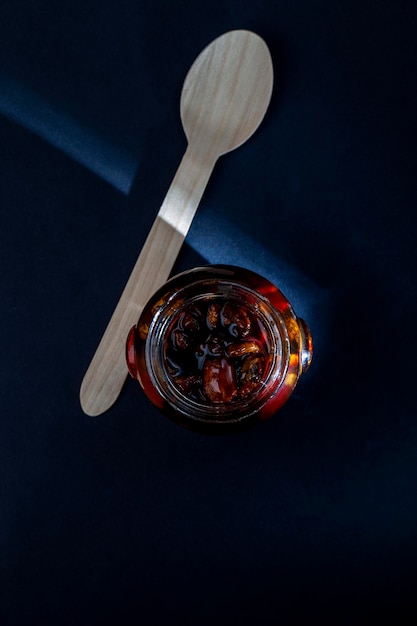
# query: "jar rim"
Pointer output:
{"type": "Point", "coordinates": [205, 288]}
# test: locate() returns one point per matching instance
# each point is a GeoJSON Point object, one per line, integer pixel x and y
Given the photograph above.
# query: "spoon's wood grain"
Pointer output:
{"type": "Point", "coordinates": [107, 371]}
{"type": "Point", "coordinates": [224, 99]}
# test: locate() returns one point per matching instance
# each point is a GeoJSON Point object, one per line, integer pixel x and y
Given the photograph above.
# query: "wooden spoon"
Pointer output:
{"type": "Point", "coordinates": [224, 99]}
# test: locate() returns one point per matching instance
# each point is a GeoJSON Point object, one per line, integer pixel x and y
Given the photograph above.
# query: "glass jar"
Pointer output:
{"type": "Point", "coordinates": [217, 348]}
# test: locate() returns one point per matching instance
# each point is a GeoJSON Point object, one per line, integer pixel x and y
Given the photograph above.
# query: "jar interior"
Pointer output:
{"type": "Point", "coordinates": [217, 350]}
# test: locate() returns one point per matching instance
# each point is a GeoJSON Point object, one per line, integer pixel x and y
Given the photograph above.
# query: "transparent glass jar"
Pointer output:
{"type": "Point", "coordinates": [217, 348]}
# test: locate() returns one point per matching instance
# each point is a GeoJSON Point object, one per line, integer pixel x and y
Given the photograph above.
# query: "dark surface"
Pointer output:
{"type": "Point", "coordinates": [126, 518]}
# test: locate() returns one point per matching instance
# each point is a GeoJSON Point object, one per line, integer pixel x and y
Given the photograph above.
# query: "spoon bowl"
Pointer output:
{"type": "Point", "coordinates": [222, 109]}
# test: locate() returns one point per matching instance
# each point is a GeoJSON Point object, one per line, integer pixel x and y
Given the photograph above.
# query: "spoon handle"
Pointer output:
{"type": "Point", "coordinates": [107, 371]}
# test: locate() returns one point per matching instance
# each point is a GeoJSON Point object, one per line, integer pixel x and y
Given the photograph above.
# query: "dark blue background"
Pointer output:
{"type": "Point", "coordinates": [308, 518]}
